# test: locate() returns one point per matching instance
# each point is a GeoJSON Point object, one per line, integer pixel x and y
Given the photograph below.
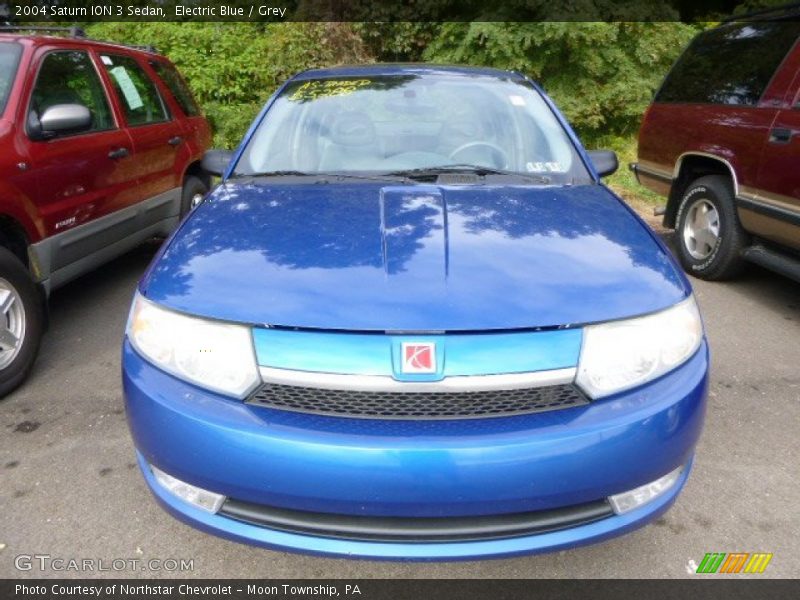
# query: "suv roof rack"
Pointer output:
{"type": "Point", "coordinates": [75, 32]}
{"type": "Point", "coordinates": [777, 12]}
{"type": "Point", "coordinates": [143, 47]}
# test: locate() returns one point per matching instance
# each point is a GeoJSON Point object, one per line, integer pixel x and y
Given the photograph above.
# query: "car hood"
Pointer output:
{"type": "Point", "coordinates": [366, 256]}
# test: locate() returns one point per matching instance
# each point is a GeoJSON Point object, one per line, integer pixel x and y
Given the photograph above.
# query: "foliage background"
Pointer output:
{"type": "Point", "coordinates": [601, 75]}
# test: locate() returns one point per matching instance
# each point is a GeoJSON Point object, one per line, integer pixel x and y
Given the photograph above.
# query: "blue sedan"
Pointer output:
{"type": "Point", "coordinates": [412, 323]}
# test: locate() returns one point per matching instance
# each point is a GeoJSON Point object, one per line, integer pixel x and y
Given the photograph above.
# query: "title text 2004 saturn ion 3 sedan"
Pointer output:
{"type": "Point", "coordinates": [411, 323]}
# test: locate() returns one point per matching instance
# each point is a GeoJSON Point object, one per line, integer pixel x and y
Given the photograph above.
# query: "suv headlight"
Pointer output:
{"type": "Point", "coordinates": [214, 355]}
{"type": "Point", "coordinates": [619, 355]}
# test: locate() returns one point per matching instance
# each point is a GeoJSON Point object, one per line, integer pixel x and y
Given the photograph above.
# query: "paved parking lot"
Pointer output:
{"type": "Point", "coordinates": [69, 487]}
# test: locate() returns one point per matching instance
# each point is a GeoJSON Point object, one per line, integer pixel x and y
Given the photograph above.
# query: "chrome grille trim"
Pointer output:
{"type": "Point", "coordinates": [382, 383]}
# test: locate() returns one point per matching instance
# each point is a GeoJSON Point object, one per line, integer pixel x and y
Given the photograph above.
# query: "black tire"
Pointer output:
{"type": "Point", "coordinates": [723, 258]}
{"type": "Point", "coordinates": [14, 276]}
{"type": "Point", "coordinates": [192, 186]}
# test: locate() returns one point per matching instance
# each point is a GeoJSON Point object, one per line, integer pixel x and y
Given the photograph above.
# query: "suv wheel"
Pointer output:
{"type": "Point", "coordinates": [710, 238]}
{"type": "Point", "coordinates": [194, 190]}
{"type": "Point", "coordinates": [21, 322]}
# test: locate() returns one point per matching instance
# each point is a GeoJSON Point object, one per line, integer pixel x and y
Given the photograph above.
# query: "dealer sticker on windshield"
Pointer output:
{"type": "Point", "coordinates": [312, 90]}
{"type": "Point", "coordinates": [544, 167]}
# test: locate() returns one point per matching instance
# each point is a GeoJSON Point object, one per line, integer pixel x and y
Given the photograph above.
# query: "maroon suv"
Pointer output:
{"type": "Point", "coordinates": [721, 141]}
{"type": "Point", "coordinates": [100, 149]}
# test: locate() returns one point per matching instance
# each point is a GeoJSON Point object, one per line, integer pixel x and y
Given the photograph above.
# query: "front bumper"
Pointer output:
{"type": "Point", "coordinates": [417, 469]}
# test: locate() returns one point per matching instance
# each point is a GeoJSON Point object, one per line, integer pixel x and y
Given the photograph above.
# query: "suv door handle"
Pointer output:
{"type": "Point", "coordinates": [781, 135]}
{"type": "Point", "coordinates": [175, 140]}
{"type": "Point", "coordinates": [118, 153]}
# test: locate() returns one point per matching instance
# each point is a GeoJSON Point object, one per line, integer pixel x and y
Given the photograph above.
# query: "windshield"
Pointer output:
{"type": "Point", "coordinates": [9, 58]}
{"type": "Point", "coordinates": [412, 122]}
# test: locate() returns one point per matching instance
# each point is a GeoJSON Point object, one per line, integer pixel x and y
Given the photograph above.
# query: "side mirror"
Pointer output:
{"type": "Point", "coordinates": [64, 118]}
{"type": "Point", "coordinates": [216, 161]}
{"type": "Point", "coordinates": [605, 161]}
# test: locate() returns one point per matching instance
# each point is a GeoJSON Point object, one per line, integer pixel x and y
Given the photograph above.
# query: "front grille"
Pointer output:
{"type": "Point", "coordinates": [416, 529]}
{"type": "Point", "coordinates": [417, 405]}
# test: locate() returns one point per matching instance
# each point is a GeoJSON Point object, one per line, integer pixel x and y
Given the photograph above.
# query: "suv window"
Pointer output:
{"type": "Point", "coordinates": [732, 64]}
{"type": "Point", "coordinates": [172, 79]}
{"type": "Point", "coordinates": [138, 95]}
{"type": "Point", "coordinates": [9, 59]}
{"type": "Point", "coordinates": [69, 77]}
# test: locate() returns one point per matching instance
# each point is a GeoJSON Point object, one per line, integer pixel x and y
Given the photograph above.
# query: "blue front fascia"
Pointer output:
{"type": "Point", "coordinates": [415, 468]}
{"type": "Point", "coordinates": [328, 546]}
{"type": "Point", "coordinates": [380, 354]}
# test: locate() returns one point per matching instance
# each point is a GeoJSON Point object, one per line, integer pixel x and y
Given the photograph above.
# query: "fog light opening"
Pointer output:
{"type": "Point", "coordinates": [627, 501]}
{"type": "Point", "coordinates": [198, 497]}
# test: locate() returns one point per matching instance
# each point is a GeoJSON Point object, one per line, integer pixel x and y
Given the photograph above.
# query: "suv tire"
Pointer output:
{"type": "Point", "coordinates": [21, 317]}
{"type": "Point", "coordinates": [710, 238]}
{"type": "Point", "coordinates": [193, 191]}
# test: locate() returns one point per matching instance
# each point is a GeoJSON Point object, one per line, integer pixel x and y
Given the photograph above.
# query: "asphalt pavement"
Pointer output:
{"type": "Point", "coordinates": [69, 488]}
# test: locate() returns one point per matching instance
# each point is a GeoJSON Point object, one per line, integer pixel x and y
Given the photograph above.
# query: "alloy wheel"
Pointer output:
{"type": "Point", "coordinates": [701, 229]}
{"type": "Point", "coordinates": [12, 323]}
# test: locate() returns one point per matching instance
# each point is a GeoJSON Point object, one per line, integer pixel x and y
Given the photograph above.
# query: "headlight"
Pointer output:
{"type": "Point", "coordinates": [620, 355]}
{"type": "Point", "coordinates": [214, 355]}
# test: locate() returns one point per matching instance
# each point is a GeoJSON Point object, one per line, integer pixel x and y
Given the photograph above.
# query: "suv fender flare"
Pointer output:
{"type": "Point", "coordinates": [19, 208]}
{"type": "Point", "coordinates": [680, 180]}
{"type": "Point", "coordinates": [719, 159]}
{"type": "Point", "coordinates": [11, 224]}
{"type": "Point", "coordinates": [195, 169]}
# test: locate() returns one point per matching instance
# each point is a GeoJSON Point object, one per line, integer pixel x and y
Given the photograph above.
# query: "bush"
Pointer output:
{"type": "Point", "coordinates": [602, 75]}
{"type": "Point", "coordinates": [233, 68]}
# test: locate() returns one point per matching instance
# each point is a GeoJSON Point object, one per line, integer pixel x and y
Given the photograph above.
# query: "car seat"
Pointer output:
{"type": "Point", "coordinates": [353, 144]}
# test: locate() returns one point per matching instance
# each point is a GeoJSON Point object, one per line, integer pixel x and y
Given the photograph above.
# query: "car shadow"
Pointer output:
{"type": "Point", "coordinates": [87, 316]}
{"type": "Point", "coordinates": [770, 290]}
{"type": "Point", "coordinates": [118, 274]}
{"type": "Point", "coordinates": [77, 370]}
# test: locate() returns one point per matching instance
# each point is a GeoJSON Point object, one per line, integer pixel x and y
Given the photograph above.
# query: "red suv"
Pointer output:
{"type": "Point", "coordinates": [722, 141]}
{"type": "Point", "coordinates": [101, 148]}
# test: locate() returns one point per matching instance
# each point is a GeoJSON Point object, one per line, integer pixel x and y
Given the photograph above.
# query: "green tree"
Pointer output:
{"type": "Point", "coordinates": [233, 68]}
{"type": "Point", "coordinates": [602, 75]}
{"type": "Point", "coordinates": [397, 42]}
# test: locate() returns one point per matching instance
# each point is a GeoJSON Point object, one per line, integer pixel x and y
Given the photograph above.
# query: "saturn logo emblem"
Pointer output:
{"type": "Point", "coordinates": [419, 357]}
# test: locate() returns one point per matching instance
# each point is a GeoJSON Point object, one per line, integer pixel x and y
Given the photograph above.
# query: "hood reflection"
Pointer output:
{"type": "Point", "coordinates": [366, 256]}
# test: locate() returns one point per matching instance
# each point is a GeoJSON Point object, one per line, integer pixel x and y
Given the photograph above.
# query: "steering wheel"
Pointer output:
{"type": "Point", "coordinates": [500, 152]}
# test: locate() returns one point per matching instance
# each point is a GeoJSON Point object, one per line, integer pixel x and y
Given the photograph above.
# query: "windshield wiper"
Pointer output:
{"type": "Point", "coordinates": [272, 174]}
{"type": "Point", "coordinates": [324, 175]}
{"type": "Point", "coordinates": [468, 168]}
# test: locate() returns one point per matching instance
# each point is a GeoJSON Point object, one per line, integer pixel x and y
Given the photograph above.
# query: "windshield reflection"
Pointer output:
{"type": "Point", "coordinates": [399, 123]}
